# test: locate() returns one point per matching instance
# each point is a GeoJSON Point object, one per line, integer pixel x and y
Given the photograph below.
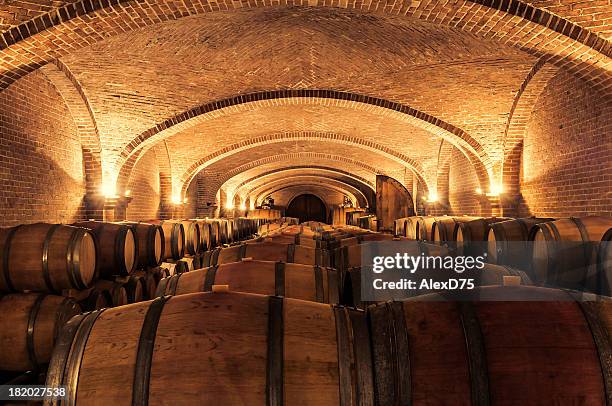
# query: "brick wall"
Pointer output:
{"type": "Point", "coordinates": [41, 165]}
{"type": "Point", "coordinates": [566, 168]}
{"type": "Point", "coordinates": [463, 184]}
{"type": "Point", "coordinates": [144, 188]}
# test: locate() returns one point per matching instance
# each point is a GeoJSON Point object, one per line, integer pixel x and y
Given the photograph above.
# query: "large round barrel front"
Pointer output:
{"type": "Point", "coordinates": [151, 243]}
{"type": "Point", "coordinates": [215, 349]}
{"type": "Point", "coordinates": [565, 252]}
{"type": "Point", "coordinates": [507, 241]}
{"type": "Point", "coordinates": [46, 258]}
{"type": "Point", "coordinates": [114, 291]}
{"type": "Point", "coordinates": [29, 326]}
{"type": "Point", "coordinates": [305, 282]}
{"type": "Point", "coordinates": [192, 236]}
{"type": "Point", "coordinates": [544, 349]}
{"type": "Point", "coordinates": [476, 231]}
{"type": "Point", "coordinates": [174, 238]}
{"type": "Point", "coordinates": [117, 247]}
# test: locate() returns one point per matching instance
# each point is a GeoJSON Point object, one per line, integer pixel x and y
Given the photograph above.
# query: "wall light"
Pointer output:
{"type": "Point", "coordinates": [496, 189]}
{"type": "Point", "coordinates": [243, 206]}
{"type": "Point", "coordinates": [185, 200]}
{"type": "Point", "coordinates": [176, 199]}
{"type": "Point", "coordinates": [109, 189]}
{"type": "Point", "coordinates": [433, 197]}
{"type": "Point", "coordinates": [229, 206]}
{"type": "Point", "coordinates": [478, 191]}
{"type": "Point", "coordinates": [128, 193]}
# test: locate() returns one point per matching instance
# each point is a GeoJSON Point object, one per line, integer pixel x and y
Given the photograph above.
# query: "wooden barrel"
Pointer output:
{"type": "Point", "coordinates": [507, 241]}
{"type": "Point", "coordinates": [290, 239]}
{"type": "Point", "coordinates": [563, 255]}
{"type": "Point", "coordinates": [135, 286]}
{"type": "Point", "coordinates": [424, 227]}
{"type": "Point", "coordinates": [117, 247]}
{"type": "Point", "coordinates": [150, 279]}
{"type": "Point", "coordinates": [304, 282]}
{"type": "Point", "coordinates": [29, 326]}
{"type": "Point", "coordinates": [411, 227]}
{"type": "Point", "coordinates": [46, 258]}
{"type": "Point", "coordinates": [543, 350]}
{"type": "Point", "coordinates": [174, 268]}
{"type": "Point", "coordinates": [467, 232]}
{"type": "Point", "coordinates": [151, 243]}
{"type": "Point", "coordinates": [218, 349]}
{"type": "Point", "coordinates": [206, 241]}
{"type": "Point", "coordinates": [490, 275]}
{"type": "Point", "coordinates": [399, 227]}
{"type": "Point", "coordinates": [192, 235]}
{"type": "Point", "coordinates": [114, 291]}
{"type": "Point", "coordinates": [95, 300]}
{"type": "Point", "coordinates": [174, 238]}
{"type": "Point", "coordinates": [443, 228]}
{"type": "Point", "coordinates": [268, 251]}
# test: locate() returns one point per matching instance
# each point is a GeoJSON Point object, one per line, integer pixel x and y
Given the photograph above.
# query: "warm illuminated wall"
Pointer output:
{"type": "Point", "coordinates": [463, 185]}
{"type": "Point", "coordinates": [144, 188]}
{"type": "Point", "coordinates": [567, 152]}
{"type": "Point", "coordinates": [41, 165]}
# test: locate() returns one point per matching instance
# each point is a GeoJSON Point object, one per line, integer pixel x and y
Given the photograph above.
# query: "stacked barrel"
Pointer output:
{"type": "Point", "coordinates": [571, 253]}
{"type": "Point", "coordinates": [52, 272]}
{"type": "Point", "coordinates": [267, 322]}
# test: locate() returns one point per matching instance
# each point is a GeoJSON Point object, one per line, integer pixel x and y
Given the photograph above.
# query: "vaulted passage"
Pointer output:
{"type": "Point", "coordinates": [307, 207]}
{"type": "Point", "coordinates": [150, 149]}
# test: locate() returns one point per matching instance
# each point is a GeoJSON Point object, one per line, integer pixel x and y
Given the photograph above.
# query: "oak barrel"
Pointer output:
{"type": "Point", "coordinates": [304, 282]}
{"type": "Point", "coordinates": [151, 243]}
{"type": "Point", "coordinates": [46, 258]}
{"type": "Point", "coordinates": [512, 346]}
{"type": "Point", "coordinates": [174, 238]}
{"type": "Point", "coordinates": [29, 326]}
{"type": "Point", "coordinates": [216, 349]}
{"type": "Point", "coordinates": [117, 247]}
{"type": "Point", "coordinates": [507, 241]}
{"type": "Point", "coordinates": [114, 291]}
{"type": "Point", "coordinates": [470, 235]}
{"type": "Point", "coordinates": [565, 251]}
{"type": "Point", "coordinates": [268, 251]}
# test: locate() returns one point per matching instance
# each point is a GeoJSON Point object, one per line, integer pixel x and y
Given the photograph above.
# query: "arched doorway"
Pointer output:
{"type": "Point", "coordinates": [307, 207]}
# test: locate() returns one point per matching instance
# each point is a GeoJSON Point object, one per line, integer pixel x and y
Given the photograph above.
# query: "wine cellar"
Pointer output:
{"type": "Point", "coordinates": [194, 195]}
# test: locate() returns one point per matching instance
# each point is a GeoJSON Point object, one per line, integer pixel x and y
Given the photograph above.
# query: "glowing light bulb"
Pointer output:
{"type": "Point", "coordinates": [176, 199]}
{"type": "Point", "coordinates": [496, 189]}
{"type": "Point", "coordinates": [433, 197]}
{"type": "Point", "coordinates": [478, 191]}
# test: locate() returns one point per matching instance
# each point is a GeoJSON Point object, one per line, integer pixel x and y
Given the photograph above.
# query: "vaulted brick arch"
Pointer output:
{"type": "Point", "coordinates": [523, 105]}
{"type": "Point", "coordinates": [71, 91]}
{"type": "Point", "coordinates": [366, 188]}
{"type": "Point", "coordinates": [35, 42]}
{"type": "Point", "coordinates": [303, 97]}
{"type": "Point", "coordinates": [186, 178]}
{"type": "Point", "coordinates": [282, 160]}
{"type": "Point", "coordinates": [258, 193]}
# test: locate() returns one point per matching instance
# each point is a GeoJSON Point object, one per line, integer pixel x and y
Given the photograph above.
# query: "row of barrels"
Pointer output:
{"type": "Point", "coordinates": [108, 340]}
{"type": "Point", "coordinates": [53, 257]}
{"type": "Point", "coordinates": [40, 259]}
{"type": "Point", "coordinates": [240, 348]}
{"type": "Point", "coordinates": [568, 252]}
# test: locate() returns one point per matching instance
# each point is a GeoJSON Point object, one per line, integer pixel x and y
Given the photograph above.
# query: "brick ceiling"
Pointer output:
{"type": "Point", "coordinates": [464, 80]}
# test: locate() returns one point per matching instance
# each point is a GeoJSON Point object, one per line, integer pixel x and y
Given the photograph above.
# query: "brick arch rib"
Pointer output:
{"type": "Point", "coordinates": [287, 157]}
{"type": "Point", "coordinates": [78, 104]}
{"type": "Point", "coordinates": [516, 127]}
{"type": "Point", "coordinates": [202, 163]}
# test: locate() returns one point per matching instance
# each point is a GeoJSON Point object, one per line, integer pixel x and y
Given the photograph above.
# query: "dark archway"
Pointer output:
{"type": "Point", "coordinates": [307, 207]}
